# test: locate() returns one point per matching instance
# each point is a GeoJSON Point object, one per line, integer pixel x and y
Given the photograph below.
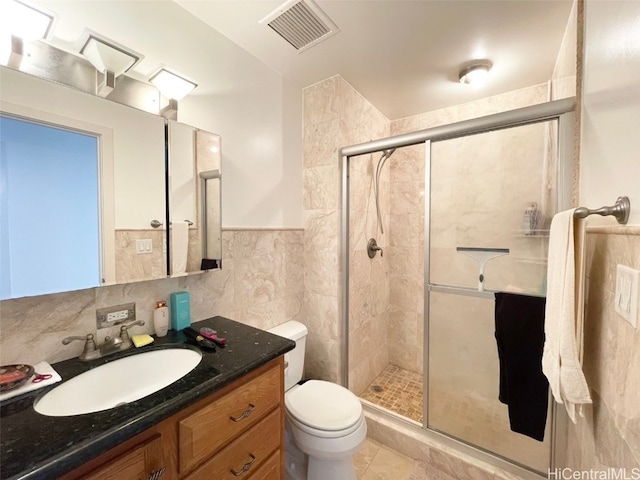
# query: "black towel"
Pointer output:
{"type": "Point", "coordinates": [520, 338]}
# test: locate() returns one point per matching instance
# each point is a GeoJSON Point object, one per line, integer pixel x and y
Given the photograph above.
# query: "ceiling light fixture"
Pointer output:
{"type": "Point", "coordinates": [475, 73]}
{"type": "Point", "coordinates": [108, 58]}
{"type": "Point", "coordinates": [171, 84]}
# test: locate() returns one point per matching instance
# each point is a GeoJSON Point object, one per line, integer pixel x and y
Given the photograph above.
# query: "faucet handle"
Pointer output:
{"type": "Point", "coordinates": [124, 334]}
{"type": "Point", "coordinates": [68, 340]}
{"type": "Point", "coordinates": [89, 345]}
{"type": "Point", "coordinates": [124, 328]}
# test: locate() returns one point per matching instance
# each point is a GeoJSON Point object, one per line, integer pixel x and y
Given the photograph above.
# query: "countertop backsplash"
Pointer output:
{"type": "Point", "coordinates": [260, 284]}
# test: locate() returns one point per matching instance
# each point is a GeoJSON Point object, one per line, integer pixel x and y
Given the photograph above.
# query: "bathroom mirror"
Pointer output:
{"type": "Point", "coordinates": [195, 239]}
{"type": "Point", "coordinates": [131, 176]}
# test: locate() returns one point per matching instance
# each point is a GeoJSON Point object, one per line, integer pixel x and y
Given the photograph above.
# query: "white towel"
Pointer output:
{"type": "Point", "coordinates": [179, 247]}
{"type": "Point", "coordinates": [42, 368]}
{"type": "Point", "coordinates": [564, 314]}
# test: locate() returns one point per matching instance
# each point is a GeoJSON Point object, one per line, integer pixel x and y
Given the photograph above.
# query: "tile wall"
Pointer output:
{"type": "Point", "coordinates": [335, 115]}
{"type": "Point", "coordinates": [608, 436]}
{"type": "Point", "coordinates": [260, 284]}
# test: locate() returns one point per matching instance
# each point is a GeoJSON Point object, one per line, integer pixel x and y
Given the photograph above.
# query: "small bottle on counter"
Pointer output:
{"type": "Point", "coordinates": [161, 318]}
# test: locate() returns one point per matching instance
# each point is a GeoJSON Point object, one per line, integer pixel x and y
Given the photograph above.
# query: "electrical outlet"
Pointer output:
{"type": "Point", "coordinates": [115, 315]}
{"type": "Point", "coordinates": [626, 296]}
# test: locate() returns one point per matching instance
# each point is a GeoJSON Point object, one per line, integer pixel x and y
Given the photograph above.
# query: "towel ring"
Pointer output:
{"type": "Point", "coordinates": [620, 211]}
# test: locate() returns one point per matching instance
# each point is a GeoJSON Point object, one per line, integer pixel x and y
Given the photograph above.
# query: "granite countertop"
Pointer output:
{"type": "Point", "coordinates": [34, 446]}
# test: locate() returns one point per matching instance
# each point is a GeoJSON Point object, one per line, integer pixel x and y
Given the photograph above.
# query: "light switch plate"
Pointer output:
{"type": "Point", "coordinates": [626, 295]}
{"type": "Point", "coordinates": [144, 246]}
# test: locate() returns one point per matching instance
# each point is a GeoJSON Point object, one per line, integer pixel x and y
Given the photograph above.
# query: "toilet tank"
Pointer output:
{"type": "Point", "coordinates": [294, 360]}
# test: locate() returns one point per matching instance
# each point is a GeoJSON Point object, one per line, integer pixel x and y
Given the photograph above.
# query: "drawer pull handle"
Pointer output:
{"type": "Point", "coordinates": [156, 474]}
{"type": "Point", "coordinates": [245, 414]}
{"type": "Point", "coordinates": [245, 467]}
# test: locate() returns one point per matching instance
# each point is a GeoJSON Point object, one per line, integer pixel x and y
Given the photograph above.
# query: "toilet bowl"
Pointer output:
{"type": "Point", "coordinates": [325, 424]}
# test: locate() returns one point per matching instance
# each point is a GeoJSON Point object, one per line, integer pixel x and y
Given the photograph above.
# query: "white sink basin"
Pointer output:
{"type": "Point", "coordinates": [118, 382]}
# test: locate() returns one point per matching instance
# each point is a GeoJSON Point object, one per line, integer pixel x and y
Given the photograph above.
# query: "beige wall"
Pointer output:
{"type": "Point", "coordinates": [261, 284]}
{"type": "Point", "coordinates": [563, 78]}
{"type": "Point", "coordinates": [609, 433]}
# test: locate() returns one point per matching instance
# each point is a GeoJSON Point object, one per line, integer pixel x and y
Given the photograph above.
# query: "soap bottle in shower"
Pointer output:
{"type": "Point", "coordinates": [530, 219]}
{"type": "Point", "coordinates": [161, 319]}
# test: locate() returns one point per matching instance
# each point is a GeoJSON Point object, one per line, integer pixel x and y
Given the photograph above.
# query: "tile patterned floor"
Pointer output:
{"type": "Point", "coordinates": [397, 390]}
{"type": "Point", "coordinates": [374, 461]}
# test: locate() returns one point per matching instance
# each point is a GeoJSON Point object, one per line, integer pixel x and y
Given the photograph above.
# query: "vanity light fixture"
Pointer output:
{"type": "Point", "coordinates": [475, 73]}
{"type": "Point", "coordinates": [26, 21]}
{"type": "Point", "coordinates": [171, 84]}
{"type": "Point", "coordinates": [22, 23]}
{"type": "Point", "coordinates": [108, 57]}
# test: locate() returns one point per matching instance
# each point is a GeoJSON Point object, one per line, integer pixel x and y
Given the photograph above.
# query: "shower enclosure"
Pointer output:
{"type": "Point", "coordinates": [458, 212]}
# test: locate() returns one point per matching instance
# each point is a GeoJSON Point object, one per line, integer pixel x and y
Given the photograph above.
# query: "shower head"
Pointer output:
{"type": "Point", "coordinates": [383, 159]}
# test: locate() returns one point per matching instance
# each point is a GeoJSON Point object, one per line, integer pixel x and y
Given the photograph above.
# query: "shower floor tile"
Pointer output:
{"type": "Point", "coordinates": [398, 390]}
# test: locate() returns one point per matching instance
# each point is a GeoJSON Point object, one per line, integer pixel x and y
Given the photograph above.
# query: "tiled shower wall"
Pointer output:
{"type": "Point", "coordinates": [335, 115]}
{"type": "Point", "coordinates": [260, 284]}
{"type": "Point", "coordinates": [609, 433]}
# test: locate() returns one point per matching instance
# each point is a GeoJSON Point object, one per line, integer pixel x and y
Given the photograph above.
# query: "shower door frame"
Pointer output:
{"type": "Point", "coordinates": [560, 110]}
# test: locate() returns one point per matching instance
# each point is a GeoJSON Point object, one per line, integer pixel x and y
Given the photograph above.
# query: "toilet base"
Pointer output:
{"type": "Point", "coordinates": [327, 458]}
{"type": "Point", "coordinates": [295, 461]}
{"type": "Point", "coordinates": [322, 469]}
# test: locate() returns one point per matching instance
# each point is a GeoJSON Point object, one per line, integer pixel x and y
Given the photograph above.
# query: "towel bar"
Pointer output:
{"type": "Point", "coordinates": [620, 210]}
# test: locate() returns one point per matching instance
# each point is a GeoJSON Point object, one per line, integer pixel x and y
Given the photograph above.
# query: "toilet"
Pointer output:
{"type": "Point", "coordinates": [325, 425]}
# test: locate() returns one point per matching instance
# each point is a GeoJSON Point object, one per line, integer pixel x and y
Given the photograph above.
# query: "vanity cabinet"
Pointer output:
{"type": "Point", "coordinates": [139, 463]}
{"type": "Point", "coordinates": [234, 433]}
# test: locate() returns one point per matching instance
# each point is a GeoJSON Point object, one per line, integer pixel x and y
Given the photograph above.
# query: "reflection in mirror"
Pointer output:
{"type": "Point", "coordinates": [191, 152]}
{"type": "Point", "coordinates": [211, 231]}
{"type": "Point", "coordinates": [49, 213]}
{"type": "Point", "coordinates": [132, 174]}
{"type": "Point", "coordinates": [209, 160]}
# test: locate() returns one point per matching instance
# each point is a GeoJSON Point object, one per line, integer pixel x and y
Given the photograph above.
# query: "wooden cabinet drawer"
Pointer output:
{"type": "Point", "coordinates": [269, 470]}
{"type": "Point", "coordinates": [135, 464]}
{"type": "Point", "coordinates": [202, 434]}
{"type": "Point", "coordinates": [255, 450]}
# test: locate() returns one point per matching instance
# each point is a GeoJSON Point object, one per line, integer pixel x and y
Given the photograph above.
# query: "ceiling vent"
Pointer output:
{"type": "Point", "coordinates": [301, 23]}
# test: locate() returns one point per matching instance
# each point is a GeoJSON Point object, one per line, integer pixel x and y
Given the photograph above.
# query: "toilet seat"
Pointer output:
{"type": "Point", "coordinates": [323, 409]}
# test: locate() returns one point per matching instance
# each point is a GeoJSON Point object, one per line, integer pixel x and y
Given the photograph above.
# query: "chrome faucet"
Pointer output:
{"type": "Point", "coordinates": [111, 345]}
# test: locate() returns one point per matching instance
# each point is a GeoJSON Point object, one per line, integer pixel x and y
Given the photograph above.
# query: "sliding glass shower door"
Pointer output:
{"type": "Point", "coordinates": [492, 197]}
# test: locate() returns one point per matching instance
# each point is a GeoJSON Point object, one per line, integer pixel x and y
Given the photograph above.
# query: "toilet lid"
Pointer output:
{"type": "Point", "coordinates": [323, 405]}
